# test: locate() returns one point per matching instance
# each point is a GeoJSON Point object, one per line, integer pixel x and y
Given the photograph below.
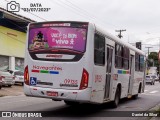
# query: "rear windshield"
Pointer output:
{"type": "Point", "coordinates": [49, 38]}
{"type": "Point", "coordinates": [153, 76]}
{"type": "Point", "coordinates": [19, 73]}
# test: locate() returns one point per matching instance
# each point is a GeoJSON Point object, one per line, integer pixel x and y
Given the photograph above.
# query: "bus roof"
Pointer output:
{"type": "Point", "coordinates": [120, 41]}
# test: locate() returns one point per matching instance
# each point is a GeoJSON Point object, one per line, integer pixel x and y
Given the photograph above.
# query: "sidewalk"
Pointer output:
{"type": "Point", "coordinates": [155, 109]}
{"type": "Point", "coordinates": [15, 90]}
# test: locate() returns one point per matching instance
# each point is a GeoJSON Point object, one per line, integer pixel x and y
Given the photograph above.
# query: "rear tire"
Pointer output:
{"type": "Point", "coordinates": [71, 102]}
{"type": "Point", "coordinates": [116, 99]}
{"type": "Point", "coordinates": [135, 96]}
{"type": "Point", "coordinates": [0, 86]}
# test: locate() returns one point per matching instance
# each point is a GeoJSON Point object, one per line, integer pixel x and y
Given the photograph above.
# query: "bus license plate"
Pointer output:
{"type": "Point", "coordinates": [51, 93]}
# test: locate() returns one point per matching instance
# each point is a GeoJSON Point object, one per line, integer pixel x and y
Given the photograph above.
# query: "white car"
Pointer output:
{"type": "Point", "coordinates": [19, 77]}
{"type": "Point", "coordinates": [150, 79]}
{"type": "Point", "coordinates": [6, 78]}
{"type": "Point", "coordinates": [157, 78]}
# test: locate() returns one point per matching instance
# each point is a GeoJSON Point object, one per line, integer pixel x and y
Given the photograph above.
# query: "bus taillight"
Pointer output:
{"type": "Point", "coordinates": [84, 80]}
{"type": "Point", "coordinates": [26, 75]}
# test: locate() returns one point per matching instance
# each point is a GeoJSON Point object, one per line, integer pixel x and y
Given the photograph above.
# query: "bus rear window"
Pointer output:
{"type": "Point", "coordinates": [49, 38]}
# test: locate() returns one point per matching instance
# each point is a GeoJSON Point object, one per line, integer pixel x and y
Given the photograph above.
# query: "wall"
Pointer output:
{"type": "Point", "coordinates": [12, 45]}
{"type": "Point", "coordinates": [12, 42]}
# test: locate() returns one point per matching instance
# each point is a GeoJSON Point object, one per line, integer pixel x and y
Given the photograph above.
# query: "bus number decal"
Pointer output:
{"type": "Point", "coordinates": [69, 83]}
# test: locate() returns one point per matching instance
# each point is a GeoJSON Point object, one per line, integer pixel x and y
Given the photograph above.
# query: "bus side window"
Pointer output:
{"type": "Point", "coordinates": [125, 58]}
{"type": "Point", "coordinates": [141, 63]}
{"type": "Point", "coordinates": [137, 62]}
{"type": "Point", "coordinates": [99, 49]}
{"type": "Point", "coordinates": [118, 56]}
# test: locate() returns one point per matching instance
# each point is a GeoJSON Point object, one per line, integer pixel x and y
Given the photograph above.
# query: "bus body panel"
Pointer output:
{"type": "Point", "coordinates": [138, 78]}
{"type": "Point", "coordinates": [124, 80]}
{"type": "Point", "coordinates": [98, 84]}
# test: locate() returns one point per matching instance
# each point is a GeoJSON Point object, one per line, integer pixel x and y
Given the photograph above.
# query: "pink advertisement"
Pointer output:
{"type": "Point", "coordinates": [57, 37]}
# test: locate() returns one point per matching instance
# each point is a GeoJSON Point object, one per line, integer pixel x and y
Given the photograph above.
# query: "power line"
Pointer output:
{"type": "Point", "coordinates": [70, 8]}
{"type": "Point", "coordinates": [151, 45]}
{"type": "Point", "coordinates": [78, 11]}
{"type": "Point", "coordinates": [146, 44]}
{"type": "Point", "coordinates": [38, 16]}
{"type": "Point", "coordinates": [88, 14]}
{"type": "Point", "coordinates": [148, 49]}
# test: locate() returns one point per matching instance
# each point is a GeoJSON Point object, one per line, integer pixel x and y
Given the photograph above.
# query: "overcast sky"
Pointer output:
{"type": "Point", "coordinates": [141, 18]}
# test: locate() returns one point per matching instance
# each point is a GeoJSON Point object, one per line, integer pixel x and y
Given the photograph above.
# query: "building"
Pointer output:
{"type": "Point", "coordinates": [13, 29]}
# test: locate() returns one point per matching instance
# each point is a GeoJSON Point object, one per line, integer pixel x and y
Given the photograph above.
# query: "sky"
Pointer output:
{"type": "Point", "coordinates": [140, 18]}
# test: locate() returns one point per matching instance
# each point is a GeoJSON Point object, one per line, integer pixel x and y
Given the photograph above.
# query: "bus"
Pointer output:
{"type": "Point", "coordinates": [80, 63]}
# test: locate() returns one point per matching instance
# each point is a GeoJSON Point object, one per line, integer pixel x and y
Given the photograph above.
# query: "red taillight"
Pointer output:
{"type": "Point", "coordinates": [26, 75]}
{"type": "Point", "coordinates": [1, 77]}
{"type": "Point", "coordinates": [84, 80]}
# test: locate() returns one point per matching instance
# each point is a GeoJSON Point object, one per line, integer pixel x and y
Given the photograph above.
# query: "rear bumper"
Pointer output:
{"type": "Point", "coordinates": [18, 81]}
{"type": "Point", "coordinates": [63, 94]}
{"type": "Point", "coordinates": [149, 81]}
{"type": "Point", "coordinates": [7, 82]}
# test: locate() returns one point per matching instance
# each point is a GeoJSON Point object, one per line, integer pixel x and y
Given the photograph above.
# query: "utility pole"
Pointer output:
{"type": "Point", "coordinates": [120, 33]}
{"type": "Point", "coordinates": [148, 54]}
{"type": "Point", "coordinates": [148, 49]}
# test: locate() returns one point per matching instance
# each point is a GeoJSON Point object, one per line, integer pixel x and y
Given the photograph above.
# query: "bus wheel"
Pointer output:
{"type": "Point", "coordinates": [117, 98]}
{"type": "Point", "coordinates": [135, 96]}
{"type": "Point", "coordinates": [71, 102]}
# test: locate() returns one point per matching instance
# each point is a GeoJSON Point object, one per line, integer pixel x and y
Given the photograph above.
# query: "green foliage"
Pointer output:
{"type": "Point", "coordinates": [154, 56]}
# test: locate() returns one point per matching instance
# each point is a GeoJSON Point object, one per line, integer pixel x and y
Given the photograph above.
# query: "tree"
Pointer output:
{"type": "Point", "coordinates": [153, 57]}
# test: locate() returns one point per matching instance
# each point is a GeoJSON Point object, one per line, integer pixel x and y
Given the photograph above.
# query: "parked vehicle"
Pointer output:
{"type": "Point", "coordinates": [155, 77]}
{"type": "Point", "coordinates": [0, 83]}
{"type": "Point", "coordinates": [152, 71]}
{"type": "Point", "coordinates": [150, 79]}
{"type": "Point", "coordinates": [6, 78]}
{"type": "Point", "coordinates": [19, 77]}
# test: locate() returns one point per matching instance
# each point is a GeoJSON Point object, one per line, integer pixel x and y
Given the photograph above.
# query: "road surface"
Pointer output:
{"type": "Point", "coordinates": [58, 110]}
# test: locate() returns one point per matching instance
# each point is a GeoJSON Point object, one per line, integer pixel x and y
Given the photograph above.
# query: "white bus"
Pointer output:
{"type": "Point", "coordinates": [78, 62]}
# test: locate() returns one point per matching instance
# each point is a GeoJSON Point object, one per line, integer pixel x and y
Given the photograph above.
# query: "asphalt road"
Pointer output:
{"type": "Point", "coordinates": [60, 111]}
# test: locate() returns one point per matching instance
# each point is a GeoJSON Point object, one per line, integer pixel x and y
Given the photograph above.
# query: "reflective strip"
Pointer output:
{"type": "Point", "coordinates": [45, 71]}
